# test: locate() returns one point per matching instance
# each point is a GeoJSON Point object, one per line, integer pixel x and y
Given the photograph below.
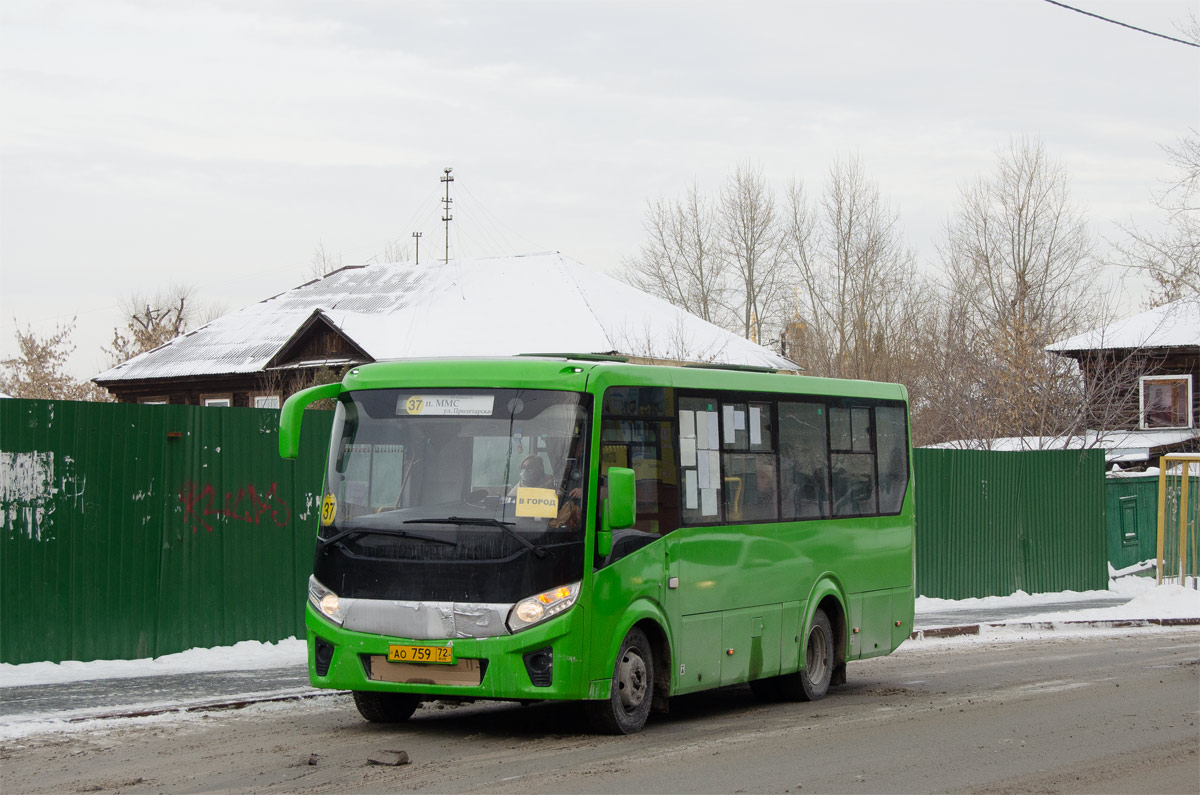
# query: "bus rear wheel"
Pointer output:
{"type": "Point", "coordinates": [811, 682]}
{"type": "Point", "coordinates": [385, 707]}
{"type": "Point", "coordinates": [628, 705]}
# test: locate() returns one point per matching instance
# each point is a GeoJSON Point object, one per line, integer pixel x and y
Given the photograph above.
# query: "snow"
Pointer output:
{"type": "Point", "coordinates": [1117, 445]}
{"type": "Point", "coordinates": [500, 306]}
{"type": "Point", "coordinates": [1149, 601]}
{"type": "Point", "coordinates": [248, 655]}
{"type": "Point", "coordinates": [1168, 326]}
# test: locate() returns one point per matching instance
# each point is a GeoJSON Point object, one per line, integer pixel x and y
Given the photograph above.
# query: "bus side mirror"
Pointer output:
{"type": "Point", "coordinates": [292, 413]}
{"type": "Point", "coordinates": [620, 506]}
{"type": "Point", "coordinates": [620, 510]}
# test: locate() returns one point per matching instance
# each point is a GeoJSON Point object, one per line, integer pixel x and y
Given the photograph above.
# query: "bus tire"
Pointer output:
{"type": "Point", "coordinates": [812, 682]}
{"type": "Point", "coordinates": [628, 706]}
{"type": "Point", "coordinates": [385, 707]}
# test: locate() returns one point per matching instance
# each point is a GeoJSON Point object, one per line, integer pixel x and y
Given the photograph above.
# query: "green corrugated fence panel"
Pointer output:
{"type": "Point", "coordinates": [992, 523]}
{"type": "Point", "coordinates": [130, 531]}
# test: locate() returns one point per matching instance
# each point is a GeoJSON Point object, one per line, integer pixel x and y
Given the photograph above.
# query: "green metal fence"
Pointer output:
{"type": "Point", "coordinates": [131, 531]}
{"type": "Point", "coordinates": [992, 523]}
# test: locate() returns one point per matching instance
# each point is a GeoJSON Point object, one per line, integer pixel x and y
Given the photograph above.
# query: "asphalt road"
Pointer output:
{"type": "Point", "coordinates": [1103, 712]}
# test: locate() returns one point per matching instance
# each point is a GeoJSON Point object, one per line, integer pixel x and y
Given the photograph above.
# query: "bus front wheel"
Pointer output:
{"type": "Point", "coordinates": [628, 705]}
{"type": "Point", "coordinates": [385, 707]}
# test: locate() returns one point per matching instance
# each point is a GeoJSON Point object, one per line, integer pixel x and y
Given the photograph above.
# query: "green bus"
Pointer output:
{"type": "Point", "coordinates": [585, 528]}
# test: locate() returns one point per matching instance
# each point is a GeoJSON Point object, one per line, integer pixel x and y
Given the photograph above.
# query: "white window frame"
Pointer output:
{"type": "Point", "coordinates": [268, 396]}
{"type": "Point", "coordinates": [157, 400]}
{"type": "Point", "coordinates": [1185, 377]}
{"type": "Point", "coordinates": [217, 401]}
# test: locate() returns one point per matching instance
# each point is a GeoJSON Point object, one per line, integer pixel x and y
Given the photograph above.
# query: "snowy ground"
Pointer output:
{"type": "Point", "coordinates": [1145, 598]}
{"type": "Point", "coordinates": [1148, 602]}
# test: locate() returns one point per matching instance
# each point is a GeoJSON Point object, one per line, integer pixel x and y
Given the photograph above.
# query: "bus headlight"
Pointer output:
{"type": "Point", "coordinates": [547, 604]}
{"type": "Point", "coordinates": [326, 601]}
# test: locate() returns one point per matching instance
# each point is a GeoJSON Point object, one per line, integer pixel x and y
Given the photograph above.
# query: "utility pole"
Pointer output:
{"type": "Point", "coordinates": [446, 216]}
{"type": "Point", "coordinates": [417, 236]}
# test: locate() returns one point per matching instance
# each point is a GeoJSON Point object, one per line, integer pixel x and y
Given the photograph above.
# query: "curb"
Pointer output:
{"type": "Point", "coordinates": [976, 629]}
{"type": "Point", "coordinates": [207, 706]}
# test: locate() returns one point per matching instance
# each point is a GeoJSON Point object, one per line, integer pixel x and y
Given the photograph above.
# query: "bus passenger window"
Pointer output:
{"type": "Point", "coordinates": [749, 479]}
{"type": "Point", "coordinates": [700, 477]}
{"type": "Point", "coordinates": [803, 461]}
{"type": "Point", "coordinates": [892, 440]}
{"type": "Point", "coordinates": [853, 484]}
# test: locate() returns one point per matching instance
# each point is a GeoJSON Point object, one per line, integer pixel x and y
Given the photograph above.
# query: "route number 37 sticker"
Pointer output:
{"type": "Point", "coordinates": [328, 510]}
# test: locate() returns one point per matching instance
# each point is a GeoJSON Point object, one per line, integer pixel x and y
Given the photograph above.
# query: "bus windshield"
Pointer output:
{"type": "Point", "coordinates": [454, 495]}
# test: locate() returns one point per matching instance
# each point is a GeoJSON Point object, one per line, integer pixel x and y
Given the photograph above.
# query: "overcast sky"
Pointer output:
{"type": "Point", "coordinates": [217, 144]}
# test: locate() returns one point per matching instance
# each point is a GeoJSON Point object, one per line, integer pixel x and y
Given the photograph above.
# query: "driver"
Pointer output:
{"type": "Point", "coordinates": [533, 475]}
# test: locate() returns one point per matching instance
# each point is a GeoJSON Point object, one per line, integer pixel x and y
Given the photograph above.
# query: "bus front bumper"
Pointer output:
{"type": "Point", "coordinates": [542, 662]}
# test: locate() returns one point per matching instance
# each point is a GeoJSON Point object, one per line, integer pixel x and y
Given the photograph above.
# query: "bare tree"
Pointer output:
{"type": "Point", "coordinates": [859, 300]}
{"type": "Point", "coordinates": [1018, 265]}
{"type": "Point", "coordinates": [393, 251]}
{"type": "Point", "coordinates": [750, 238]}
{"type": "Point", "coordinates": [323, 262]}
{"type": "Point", "coordinates": [679, 261]}
{"type": "Point", "coordinates": [152, 321]}
{"type": "Point", "coordinates": [39, 371]}
{"type": "Point", "coordinates": [1170, 259]}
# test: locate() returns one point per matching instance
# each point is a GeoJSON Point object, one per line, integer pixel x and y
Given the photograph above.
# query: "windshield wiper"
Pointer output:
{"type": "Point", "coordinates": [324, 542]}
{"type": "Point", "coordinates": [538, 551]}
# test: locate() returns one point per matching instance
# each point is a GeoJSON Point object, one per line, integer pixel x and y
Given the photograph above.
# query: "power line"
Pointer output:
{"type": "Point", "coordinates": [500, 224]}
{"type": "Point", "coordinates": [1122, 24]}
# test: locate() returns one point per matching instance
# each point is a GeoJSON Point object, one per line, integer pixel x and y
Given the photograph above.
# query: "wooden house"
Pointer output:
{"type": "Point", "coordinates": [504, 306]}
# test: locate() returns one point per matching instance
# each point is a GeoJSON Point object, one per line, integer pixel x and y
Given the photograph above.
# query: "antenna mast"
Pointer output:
{"type": "Point", "coordinates": [446, 216]}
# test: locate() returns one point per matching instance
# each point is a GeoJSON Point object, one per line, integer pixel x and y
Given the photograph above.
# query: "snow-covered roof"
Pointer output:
{"type": "Point", "coordinates": [1168, 326]}
{"type": "Point", "coordinates": [1117, 445]}
{"type": "Point", "coordinates": [480, 307]}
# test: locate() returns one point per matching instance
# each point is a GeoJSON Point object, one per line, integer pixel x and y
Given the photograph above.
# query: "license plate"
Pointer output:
{"type": "Point", "coordinates": [421, 654]}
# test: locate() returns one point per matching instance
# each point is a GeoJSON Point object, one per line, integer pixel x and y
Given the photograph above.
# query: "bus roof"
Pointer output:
{"type": "Point", "coordinates": [593, 374]}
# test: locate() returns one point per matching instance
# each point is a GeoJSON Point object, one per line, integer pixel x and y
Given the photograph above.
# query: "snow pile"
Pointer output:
{"type": "Point", "coordinates": [929, 604]}
{"type": "Point", "coordinates": [245, 656]}
{"type": "Point", "coordinates": [1149, 600]}
{"type": "Point", "coordinates": [1162, 601]}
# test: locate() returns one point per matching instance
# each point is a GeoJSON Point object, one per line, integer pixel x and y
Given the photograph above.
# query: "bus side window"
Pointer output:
{"type": "Point", "coordinates": [853, 461]}
{"type": "Point", "coordinates": [891, 429]}
{"type": "Point", "coordinates": [803, 459]}
{"type": "Point", "coordinates": [700, 477]}
{"type": "Point", "coordinates": [647, 446]}
{"type": "Point", "coordinates": [749, 477]}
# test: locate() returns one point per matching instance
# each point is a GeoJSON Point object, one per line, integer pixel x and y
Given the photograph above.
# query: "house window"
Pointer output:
{"type": "Point", "coordinates": [217, 400]}
{"type": "Point", "coordinates": [266, 401]}
{"type": "Point", "coordinates": [158, 400]}
{"type": "Point", "coordinates": [1166, 401]}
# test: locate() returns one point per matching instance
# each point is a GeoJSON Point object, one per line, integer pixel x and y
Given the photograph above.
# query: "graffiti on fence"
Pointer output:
{"type": "Point", "coordinates": [246, 504]}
